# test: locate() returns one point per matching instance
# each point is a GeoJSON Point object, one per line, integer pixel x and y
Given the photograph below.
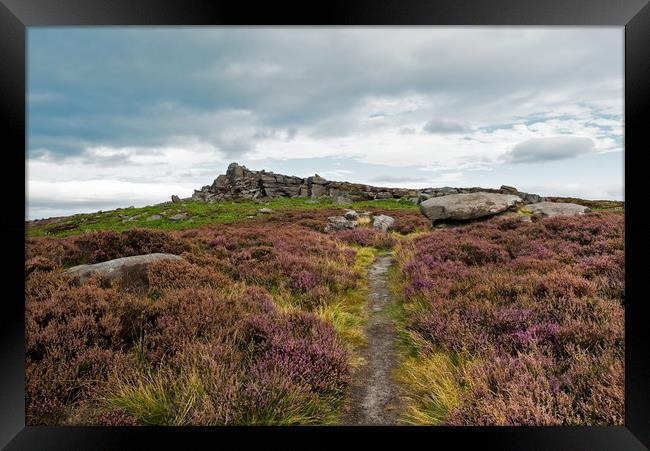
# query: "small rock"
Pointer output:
{"type": "Point", "coordinates": [550, 209]}
{"type": "Point", "coordinates": [383, 222]}
{"type": "Point", "coordinates": [336, 223]}
{"type": "Point", "coordinates": [265, 211]}
{"type": "Point", "coordinates": [176, 199]}
{"type": "Point", "coordinates": [153, 218]}
{"type": "Point", "coordinates": [178, 217]}
{"type": "Point", "coordinates": [351, 215]}
{"type": "Point", "coordinates": [509, 189]}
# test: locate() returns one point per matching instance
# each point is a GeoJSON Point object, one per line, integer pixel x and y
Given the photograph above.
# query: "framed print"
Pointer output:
{"type": "Point", "coordinates": [421, 218]}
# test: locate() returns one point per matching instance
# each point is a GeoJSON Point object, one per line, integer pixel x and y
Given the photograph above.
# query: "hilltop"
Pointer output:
{"type": "Point", "coordinates": [239, 194]}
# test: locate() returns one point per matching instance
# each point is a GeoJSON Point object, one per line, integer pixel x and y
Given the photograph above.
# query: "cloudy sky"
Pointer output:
{"type": "Point", "coordinates": [128, 116]}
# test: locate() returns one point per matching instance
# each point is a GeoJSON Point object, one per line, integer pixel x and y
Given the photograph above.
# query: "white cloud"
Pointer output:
{"type": "Point", "coordinates": [539, 150]}
{"type": "Point", "coordinates": [172, 107]}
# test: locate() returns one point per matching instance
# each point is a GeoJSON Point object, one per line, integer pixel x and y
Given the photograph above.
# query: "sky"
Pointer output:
{"type": "Point", "coordinates": [121, 116]}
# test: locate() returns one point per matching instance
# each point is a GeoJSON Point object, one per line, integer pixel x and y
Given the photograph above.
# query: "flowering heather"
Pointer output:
{"type": "Point", "coordinates": [536, 311]}
{"type": "Point", "coordinates": [205, 343]}
{"type": "Point", "coordinates": [365, 236]}
{"type": "Point", "coordinates": [96, 247]}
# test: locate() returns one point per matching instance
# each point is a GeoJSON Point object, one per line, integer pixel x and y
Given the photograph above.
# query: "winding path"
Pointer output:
{"type": "Point", "coordinates": [373, 399]}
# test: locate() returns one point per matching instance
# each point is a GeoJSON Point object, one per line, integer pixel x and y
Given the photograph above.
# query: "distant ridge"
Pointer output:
{"type": "Point", "coordinates": [239, 182]}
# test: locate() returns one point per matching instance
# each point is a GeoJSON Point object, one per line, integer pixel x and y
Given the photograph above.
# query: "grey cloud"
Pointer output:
{"type": "Point", "coordinates": [110, 81]}
{"type": "Point", "coordinates": [539, 150]}
{"type": "Point", "coordinates": [445, 126]}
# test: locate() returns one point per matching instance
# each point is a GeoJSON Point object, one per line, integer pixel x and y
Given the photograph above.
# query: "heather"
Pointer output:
{"type": "Point", "coordinates": [256, 326]}
{"type": "Point", "coordinates": [367, 237]}
{"type": "Point", "coordinates": [514, 323]}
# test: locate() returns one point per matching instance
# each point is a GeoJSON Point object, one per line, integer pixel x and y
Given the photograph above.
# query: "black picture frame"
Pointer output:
{"type": "Point", "coordinates": [16, 15]}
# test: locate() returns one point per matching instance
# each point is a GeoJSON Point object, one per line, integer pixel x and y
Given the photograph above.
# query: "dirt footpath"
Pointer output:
{"type": "Point", "coordinates": [373, 395]}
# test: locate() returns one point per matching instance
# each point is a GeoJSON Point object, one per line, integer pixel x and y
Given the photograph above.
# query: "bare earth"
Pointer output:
{"type": "Point", "coordinates": [373, 398]}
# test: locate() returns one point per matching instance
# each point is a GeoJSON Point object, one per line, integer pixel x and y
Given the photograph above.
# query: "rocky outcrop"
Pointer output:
{"type": "Point", "coordinates": [467, 206]}
{"type": "Point", "coordinates": [240, 182]}
{"type": "Point", "coordinates": [135, 267]}
{"type": "Point", "coordinates": [550, 209]}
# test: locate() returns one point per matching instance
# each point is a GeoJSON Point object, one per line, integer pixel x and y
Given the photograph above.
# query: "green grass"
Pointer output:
{"type": "Point", "coordinates": [198, 213]}
{"type": "Point", "coordinates": [431, 383]}
{"type": "Point", "coordinates": [348, 312]}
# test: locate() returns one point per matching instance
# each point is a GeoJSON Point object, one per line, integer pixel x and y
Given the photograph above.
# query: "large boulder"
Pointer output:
{"type": "Point", "coordinates": [463, 207]}
{"type": "Point", "coordinates": [135, 267]}
{"type": "Point", "coordinates": [176, 199]}
{"type": "Point", "coordinates": [550, 209]}
{"type": "Point", "coordinates": [336, 223]}
{"type": "Point", "coordinates": [383, 222]}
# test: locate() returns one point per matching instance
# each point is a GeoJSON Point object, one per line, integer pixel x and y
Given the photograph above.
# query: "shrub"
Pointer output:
{"type": "Point", "coordinates": [367, 237]}
{"type": "Point", "coordinates": [205, 344]}
{"type": "Point", "coordinates": [535, 307]}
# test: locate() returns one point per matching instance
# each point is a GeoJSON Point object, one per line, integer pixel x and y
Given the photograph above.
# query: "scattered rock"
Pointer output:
{"type": "Point", "coordinates": [153, 217]}
{"type": "Point", "coordinates": [265, 211]}
{"type": "Point", "coordinates": [351, 215]}
{"type": "Point", "coordinates": [342, 200]}
{"type": "Point", "coordinates": [462, 207]}
{"type": "Point", "coordinates": [550, 209]}
{"type": "Point", "coordinates": [336, 223]}
{"type": "Point", "coordinates": [133, 218]}
{"type": "Point", "coordinates": [135, 267]}
{"type": "Point", "coordinates": [383, 222]}
{"type": "Point", "coordinates": [176, 199]}
{"type": "Point", "coordinates": [178, 217]}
